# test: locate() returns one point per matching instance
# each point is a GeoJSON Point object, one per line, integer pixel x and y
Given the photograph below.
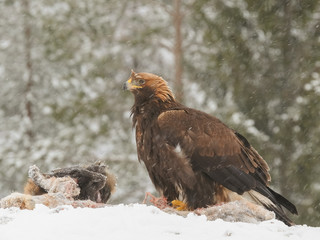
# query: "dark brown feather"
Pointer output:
{"type": "Point", "coordinates": [192, 155]}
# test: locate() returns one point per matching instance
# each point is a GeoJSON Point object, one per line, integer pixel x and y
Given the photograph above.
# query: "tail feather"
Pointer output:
{"type": "Point", "coordinates": [272, 206]}
{"type": "Point", "coordinates": [284, 202]}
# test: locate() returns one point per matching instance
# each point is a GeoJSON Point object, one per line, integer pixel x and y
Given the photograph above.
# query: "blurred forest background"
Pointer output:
{"type": "Point", "coordinates": [255, 64]}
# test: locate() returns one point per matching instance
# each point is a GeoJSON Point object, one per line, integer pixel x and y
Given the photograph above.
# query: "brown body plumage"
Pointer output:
{"type": "Point", "coordinates": [193, 156]}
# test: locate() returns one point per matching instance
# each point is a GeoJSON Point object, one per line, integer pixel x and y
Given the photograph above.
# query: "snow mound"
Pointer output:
{"type": "Point", "coordinates": [135, 221]}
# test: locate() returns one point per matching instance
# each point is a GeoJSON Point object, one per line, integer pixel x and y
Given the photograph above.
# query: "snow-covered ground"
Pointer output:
{"type": "Point", "coordinates": [134, 221]}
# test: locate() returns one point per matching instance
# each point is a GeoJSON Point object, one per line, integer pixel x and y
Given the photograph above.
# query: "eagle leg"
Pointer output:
{"type": "Point", "coordinates": [160, 202]}
{"type": "Point", "coordinates": [179, 205]}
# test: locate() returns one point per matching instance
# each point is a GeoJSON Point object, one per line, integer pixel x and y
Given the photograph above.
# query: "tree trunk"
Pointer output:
{"type": "Point", "coordinates": [28, 64]}
{"type": "Point", "coordinates": [287, 92]}
{"type": "Point", "coordinates": [178, 55]}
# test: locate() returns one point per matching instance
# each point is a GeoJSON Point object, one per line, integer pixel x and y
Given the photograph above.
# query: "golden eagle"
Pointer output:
{"type": "Point", "coordinates": [194, 157]}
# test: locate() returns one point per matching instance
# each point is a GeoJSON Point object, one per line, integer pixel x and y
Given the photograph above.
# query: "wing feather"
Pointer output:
{"type": "Point", "coordinates": [214, 149]}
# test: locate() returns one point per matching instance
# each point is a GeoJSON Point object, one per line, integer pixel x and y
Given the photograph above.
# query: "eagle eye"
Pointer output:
{"type": "Point", "coordinates": [141, 81]}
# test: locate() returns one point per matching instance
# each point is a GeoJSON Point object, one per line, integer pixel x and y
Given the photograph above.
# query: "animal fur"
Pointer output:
{"type": "Point", "coordinates": [93, 182]}
{"type": "Point", "coordinates": [89, 186]}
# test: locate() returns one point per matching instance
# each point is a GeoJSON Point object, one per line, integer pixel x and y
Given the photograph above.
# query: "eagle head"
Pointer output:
{"type": "Point", "coordinates": [147, 86]}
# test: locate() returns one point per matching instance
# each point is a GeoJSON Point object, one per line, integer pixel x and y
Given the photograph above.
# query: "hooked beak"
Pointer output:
{"type": "Point", "coordinates": [127, 85]}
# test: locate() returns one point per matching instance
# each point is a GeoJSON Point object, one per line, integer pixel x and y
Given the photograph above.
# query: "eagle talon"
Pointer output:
{"type": "Point", "coordinates": [179, 205]}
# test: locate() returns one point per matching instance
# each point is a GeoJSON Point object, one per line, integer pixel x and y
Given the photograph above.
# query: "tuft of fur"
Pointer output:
{"type": "Point", "coordinates": [65, 185]}
{"type": "Point", "coordinates": [235, 211]}
{"type": "Point", "coordinates": [33, 189]}
{"type": "Point", "coordinates": [19, 200]}
{"type": "Point", "coordinates": [51, 200]}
